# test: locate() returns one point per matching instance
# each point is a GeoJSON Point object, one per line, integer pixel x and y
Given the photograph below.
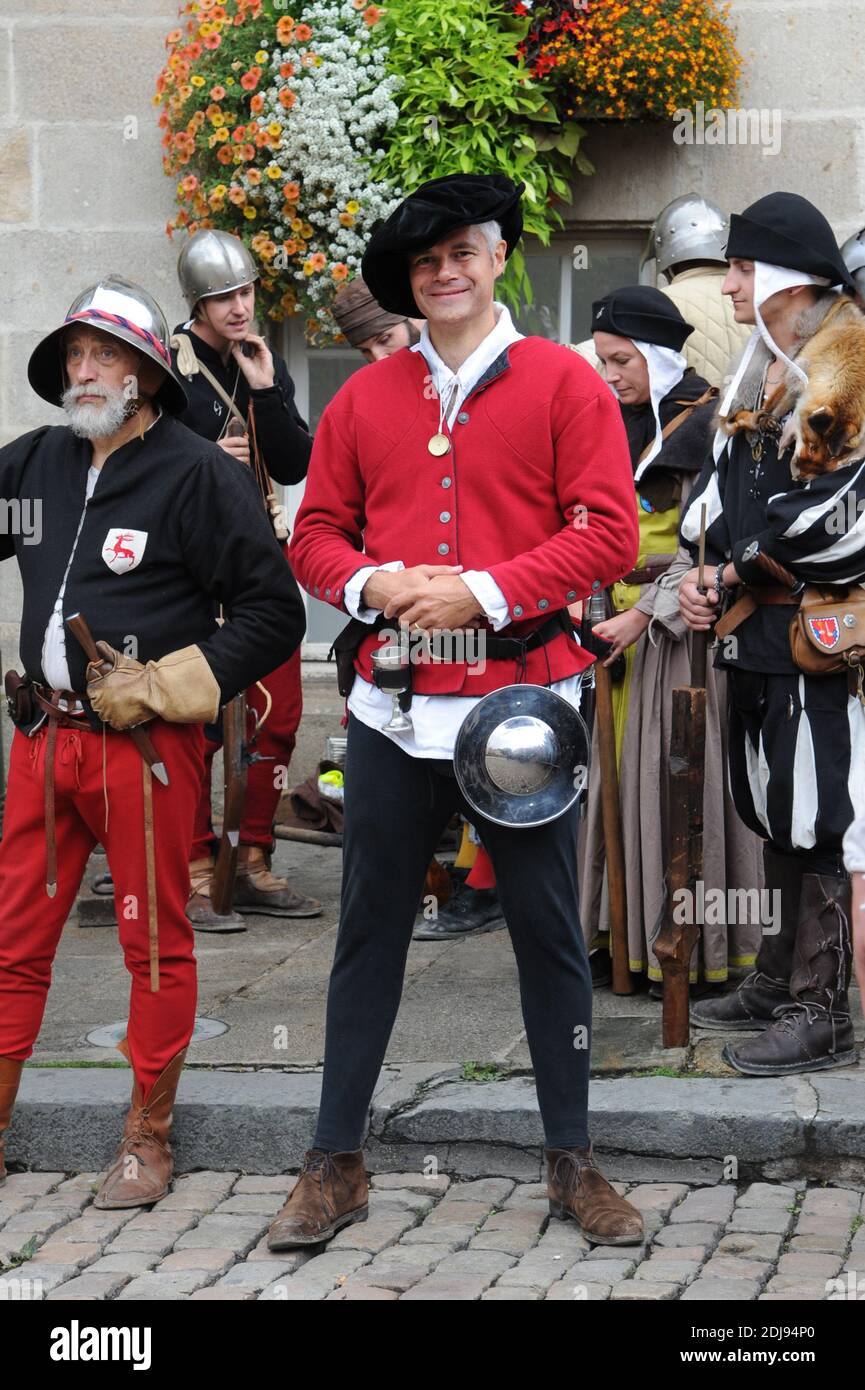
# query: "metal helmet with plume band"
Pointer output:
{"type": "Point", "coordinates": [124, 310]}
{"type": "Point", "coordinates": [212, 262]}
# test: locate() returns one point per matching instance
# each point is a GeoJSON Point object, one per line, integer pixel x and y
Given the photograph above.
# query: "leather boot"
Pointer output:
{"type": "Point", "coordinates": [331, 1192]}
{"type": "Point", "coordinates": [141, 1170]}
{"type": "Point", "coordinates": [10, 1079]}
{"type": "Point", "coordinates": [470, 912]}
{"type": "Point", "coordinates": [578, 1189]}
{"type": "Point", "coordinates": [815, 1030]}
{"type": "Point", "coordinates": [258, 890]}
{"type": "Point", "coordinates": [752, 1004]}
{"type": "Point", "coordinates": [199, 909]}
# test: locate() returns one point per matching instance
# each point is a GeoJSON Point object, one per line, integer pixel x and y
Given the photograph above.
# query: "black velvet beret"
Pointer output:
{"type": "Point", "coordinates": [640, 311]}
{"type": "Point", "coordinates": [785, 229]}
{"type": "Point", "coordinates": [433, 211]}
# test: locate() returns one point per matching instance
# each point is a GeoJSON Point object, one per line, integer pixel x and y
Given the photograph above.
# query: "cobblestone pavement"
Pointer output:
{"type": "Point", "coordinates": [428, 1238]}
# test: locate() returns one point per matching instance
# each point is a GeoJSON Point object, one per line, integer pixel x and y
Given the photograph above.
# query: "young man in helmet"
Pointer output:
{"type": "Point", "coordinates": [796, 741]}
{"type": "Point", "coordinates": [418, 512]}
{"type": "Point", "coordinates": [232, 364]}
{"type": "Point", "coordinates": [144, 527]}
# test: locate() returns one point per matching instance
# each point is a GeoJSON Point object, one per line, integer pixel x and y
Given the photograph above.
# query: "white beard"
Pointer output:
{"type": "Point", "coordinates": [92, 421]}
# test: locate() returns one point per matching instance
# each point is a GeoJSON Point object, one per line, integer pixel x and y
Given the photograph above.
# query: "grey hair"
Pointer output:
{"type": "Point", "coordinates": [491, 233]}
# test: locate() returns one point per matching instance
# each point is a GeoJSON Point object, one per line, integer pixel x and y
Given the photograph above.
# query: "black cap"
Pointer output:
{"type": "Point", "coordinates": [639, 311]}
{"type": "Point", "coordinates": [433, 211]}
{"type": "Point", "coordinates": [785, 229]}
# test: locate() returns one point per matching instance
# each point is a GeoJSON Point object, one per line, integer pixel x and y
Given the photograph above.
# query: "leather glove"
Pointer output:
{"type": "Point", "coordinates": [180, 688]}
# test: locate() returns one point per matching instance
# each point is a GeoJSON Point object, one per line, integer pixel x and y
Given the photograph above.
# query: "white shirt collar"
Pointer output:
{"type": "Point", "coordinates": [469, 373]}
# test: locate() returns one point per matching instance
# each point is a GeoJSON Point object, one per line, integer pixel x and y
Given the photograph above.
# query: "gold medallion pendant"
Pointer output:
{"type": "Point", "coordinates": [439, 444]}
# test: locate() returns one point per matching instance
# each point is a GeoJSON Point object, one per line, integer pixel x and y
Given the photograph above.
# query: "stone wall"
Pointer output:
{"type": "Point", "coordinates": [78, 197]}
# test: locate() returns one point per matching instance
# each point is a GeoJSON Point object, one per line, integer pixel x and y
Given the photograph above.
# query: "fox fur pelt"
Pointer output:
{"type": "Point", "coordinates": [826, 422]}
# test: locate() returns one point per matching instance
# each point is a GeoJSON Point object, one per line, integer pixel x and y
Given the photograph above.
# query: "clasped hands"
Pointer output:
{"type": "Point", "coordinates": [424, 597]}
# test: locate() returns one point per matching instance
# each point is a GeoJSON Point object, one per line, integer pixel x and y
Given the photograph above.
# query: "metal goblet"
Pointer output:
{"type": "Point", "coordinates": [391, 667]}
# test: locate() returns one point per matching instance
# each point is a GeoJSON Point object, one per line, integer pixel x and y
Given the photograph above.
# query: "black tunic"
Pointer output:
{"type": "Point", "coordinates": [208, 542]}
{"type": "Point", "coordinates": [283, 438]}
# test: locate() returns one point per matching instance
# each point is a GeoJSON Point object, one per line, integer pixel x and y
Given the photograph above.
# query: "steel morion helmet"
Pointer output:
{"type": "Point", "coordinates": [213, 262]}
{"type": "Point", "coordinates": [688, 229]}
{"type": "Point", "coordinates": [853, 254]}
{"type": "Point", "coordinates": [124, 310]}
{"type": "Point", "coordinates": [521, 756]}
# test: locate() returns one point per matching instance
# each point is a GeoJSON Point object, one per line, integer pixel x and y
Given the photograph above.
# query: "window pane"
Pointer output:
{"type": "Point", "coordinates": [542, 318]}
{"type": "Point", "coordinates": [328, 369]}
{"type": "Point", "coordinates": [611, 265]}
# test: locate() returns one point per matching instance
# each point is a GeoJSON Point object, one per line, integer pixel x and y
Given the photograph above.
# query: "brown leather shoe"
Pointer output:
{"type": "Point", "coordinates": [10, 1079]}
{"type": "Point", "coordinates": [142, 1167]}
{"type": "Point", "coordinates": [578, 1189]}
{"type": "Point", "coordinates": [331, 1192]}
{"type": "Point", "coordinates": [258, 890]}
{"type": "Point", "coordinates": [199, 909]}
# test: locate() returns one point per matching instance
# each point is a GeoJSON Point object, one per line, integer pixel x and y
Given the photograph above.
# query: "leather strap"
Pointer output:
{"type": "Point", "coordinates": [60, 717]}
{"type": "Point", "coordinates": [150, 867]}
{"type": "Point", "coordinates": [648, 573]}
{"type": "Point", "coordinates": [50, 820]}
{"type": "Point", "coordinates": [752, 598]}
{"type": "Point", "coordinates": [690, 407]}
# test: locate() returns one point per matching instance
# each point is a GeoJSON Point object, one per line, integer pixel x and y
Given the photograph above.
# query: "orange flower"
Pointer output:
{"type": "Point", "coordinates": [254, 177]}
{"type": "Point", "coordinates": [212, 41]}
{"type": "Point", "coordinates": [318, 260]}
{"type": "Point", "coordinates": [174, 37]}
{"type": "Point", "coordinates": [286, 69]}
{"type": "Point", "coordinates": [236, 195]}
{"type": "Point", "coordinates": [250, 80]}
{"type": "Point", "coordinates": [248, 152]}
{"type": "Point", "coordinates": [290, 246]}
{"type": "Point", "coordinates": [223, 154]}
{"type": "Point", "coordinates": [303, 33]}
{"type": "Point", "coordinates": [256, 105]}
{"type": "Point", "coordinates": [371, 15]}
{"type": "Point", "coordinates": [287, 98]}
{"type": "Point", "coordinates": [339, 271]}
{"type": "Point", "coordinates": [291, 192]}
{"type": "Point", "coordinates": [238, 135]}
{"type": "Point", "coordinates": [284, 29]}
{"type": "Point", "coordinates": [217, 94]}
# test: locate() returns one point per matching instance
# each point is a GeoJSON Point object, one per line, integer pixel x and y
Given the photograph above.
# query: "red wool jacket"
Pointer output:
{"type": "Point", "coordinates": [538, 489]}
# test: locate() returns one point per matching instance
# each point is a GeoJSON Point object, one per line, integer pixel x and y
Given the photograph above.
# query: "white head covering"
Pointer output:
{"type": "Point", "coordinates": [666, 368]}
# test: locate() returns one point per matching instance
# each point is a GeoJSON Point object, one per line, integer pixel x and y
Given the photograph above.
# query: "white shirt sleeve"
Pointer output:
{"type": "Point", "coordinates": [354, 589]}
{"type": "Point", "coordinates": [854, 846]}
{"type": "Point", "coordinates": [489, 596]}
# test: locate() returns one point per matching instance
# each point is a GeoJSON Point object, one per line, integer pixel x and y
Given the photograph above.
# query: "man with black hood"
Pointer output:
{"type": "Point", "coordinates": [481, 479]}
{"type": "Point", "coordinates": [797, 741]}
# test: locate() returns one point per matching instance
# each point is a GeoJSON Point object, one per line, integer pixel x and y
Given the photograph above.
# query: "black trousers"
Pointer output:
{"type": "Point", "coordinates": [797, 761]}
{"type": "Point", "coordinates": [396, 807]}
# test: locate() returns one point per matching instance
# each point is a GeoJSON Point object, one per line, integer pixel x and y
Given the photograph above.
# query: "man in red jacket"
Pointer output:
{"type": "Point", "coordinates": [478, 480]}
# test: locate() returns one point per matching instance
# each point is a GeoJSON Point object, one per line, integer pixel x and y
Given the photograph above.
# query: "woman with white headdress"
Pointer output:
{"type": "Point", "coordinates": [667, 410]}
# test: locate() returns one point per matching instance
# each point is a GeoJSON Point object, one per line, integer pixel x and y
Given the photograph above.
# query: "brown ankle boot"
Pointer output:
{"type": "Point", "coordinates": [331, 1192]}
{"type": "Point", "coordinates": [10, 1079]}
{"type": "Point", "coordinates": [142, 1167]}
{"type": "Point", "coordinates": [814, 1030]}
{"type": "Point", "coordinates": [258, 890]}
{"type": "Point", "coordinates": [199, 909]}
{"type": "Point", "coordinates": [578, 1189]}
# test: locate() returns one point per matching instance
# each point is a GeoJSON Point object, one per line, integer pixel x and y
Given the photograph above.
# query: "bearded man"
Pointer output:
{"type": "Point", "coordinates": [145, 528]}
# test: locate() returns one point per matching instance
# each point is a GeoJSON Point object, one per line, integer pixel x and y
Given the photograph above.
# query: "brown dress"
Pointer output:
{"type": "Point", "coordinates": [732, 854]}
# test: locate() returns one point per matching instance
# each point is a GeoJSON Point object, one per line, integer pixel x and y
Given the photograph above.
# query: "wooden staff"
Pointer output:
{"type": "Point", "coordinates": [611, 812]}
{"type": "Point", "coordinates": [674, 944]}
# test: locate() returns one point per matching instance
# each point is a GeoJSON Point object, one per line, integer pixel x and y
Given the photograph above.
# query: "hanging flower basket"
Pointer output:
{"type": "Point", "coordinates": [299, 129]}
{"type": "Point", "coordinates": [631, 59]}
